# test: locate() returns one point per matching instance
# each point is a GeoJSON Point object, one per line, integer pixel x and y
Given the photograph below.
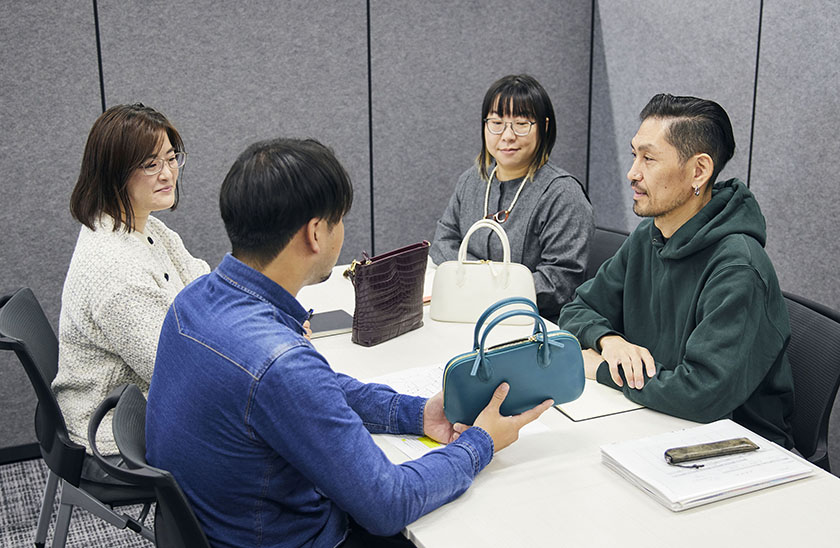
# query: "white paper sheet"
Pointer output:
{"type": "Point", "coordinates": [597, 400]}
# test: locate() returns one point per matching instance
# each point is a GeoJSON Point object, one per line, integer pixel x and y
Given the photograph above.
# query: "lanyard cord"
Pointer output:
{"type": "Point", "coordinates": [487, 193]}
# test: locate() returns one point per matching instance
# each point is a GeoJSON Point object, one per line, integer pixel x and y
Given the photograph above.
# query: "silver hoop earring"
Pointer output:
{"type": "Point", "coordinates": [697, 191]}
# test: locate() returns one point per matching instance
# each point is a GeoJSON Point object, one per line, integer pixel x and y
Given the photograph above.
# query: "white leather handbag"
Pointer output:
{"type": "Point", "coordinates": [462, 289]}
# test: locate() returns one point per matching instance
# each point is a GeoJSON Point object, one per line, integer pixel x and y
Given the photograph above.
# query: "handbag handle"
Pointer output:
{"type": "Point", "coordinates": [481, 366]}
{"type": "Point", "coordinates": [460, 273]}
{"type": "Point", "coordinates": [495, 227]}
{"type": "Point", "coordinates": [497, 305]}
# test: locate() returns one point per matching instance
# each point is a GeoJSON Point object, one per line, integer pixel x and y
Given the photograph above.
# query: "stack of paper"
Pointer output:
{"type": "Point", "coordinates": [642, 462]}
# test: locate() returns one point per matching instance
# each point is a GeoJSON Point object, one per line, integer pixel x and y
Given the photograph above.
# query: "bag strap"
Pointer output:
{"type": "Point", "coordinates": [481, 366]}
{"type": "Point", "coordinates": [497, 305]}
{"type": "Point", "coordinates": [495, 227]}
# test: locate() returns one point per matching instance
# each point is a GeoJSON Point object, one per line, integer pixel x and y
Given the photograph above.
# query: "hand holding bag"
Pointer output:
{"type": "Point", "coordinates": [389, 293]}
{"type": "Point", "coordinates": [543, 366]}
{"type": "Point", "coordinates": [463, 289]}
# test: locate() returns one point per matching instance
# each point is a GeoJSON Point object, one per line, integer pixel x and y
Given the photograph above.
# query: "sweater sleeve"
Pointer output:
{"type": "Point", "coordinates": [130, 319]}
{"type": "Point", "coordinates": [448, 235]}
{"type": "Point", "coordinates": [303, 411]}
{"type": "Point", "coordinates": [566, 229]}
{"type": "Point", "coordinates": [726, 356]}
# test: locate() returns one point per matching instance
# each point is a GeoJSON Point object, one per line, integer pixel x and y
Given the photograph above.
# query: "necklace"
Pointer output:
{"type": "Point", "coordinates": [501, 216]}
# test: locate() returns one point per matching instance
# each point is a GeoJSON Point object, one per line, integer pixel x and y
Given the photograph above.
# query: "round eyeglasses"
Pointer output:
{"type": "Point", "coordinates": [155, 165]}
{"type": "Point", "coordinates": [497, 127]}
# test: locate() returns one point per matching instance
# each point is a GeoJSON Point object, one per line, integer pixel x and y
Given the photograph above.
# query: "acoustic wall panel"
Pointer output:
{"type": "Point", "coordinates": [431, 63]}
{"type": "Point", "coordinates": [49, 90]}
{"type": "Point", "coordinates": [794, 165]}
{"type": "Point", "coordinates": [228, 74]}
{"type": "Point", "coordinates": [682, 47]}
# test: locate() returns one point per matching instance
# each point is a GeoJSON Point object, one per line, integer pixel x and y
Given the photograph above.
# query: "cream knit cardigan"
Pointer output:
{"type": "Point", "coordinates": [116, 294]}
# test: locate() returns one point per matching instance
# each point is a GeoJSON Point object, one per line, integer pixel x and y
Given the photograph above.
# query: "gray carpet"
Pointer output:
{"type": "Point", "coordinates": [21, 490]}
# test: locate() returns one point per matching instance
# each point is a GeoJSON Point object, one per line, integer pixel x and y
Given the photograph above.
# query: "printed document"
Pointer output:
{"type": "Point", "coordinates": [642, 463]}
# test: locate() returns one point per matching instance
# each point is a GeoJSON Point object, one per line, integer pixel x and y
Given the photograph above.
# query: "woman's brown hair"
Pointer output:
{"type": "Point", "coordinates": [120, 139]}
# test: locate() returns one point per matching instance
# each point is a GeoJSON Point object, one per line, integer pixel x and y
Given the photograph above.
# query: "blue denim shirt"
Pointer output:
{"type": "Point", "coordinates": [270, 445]}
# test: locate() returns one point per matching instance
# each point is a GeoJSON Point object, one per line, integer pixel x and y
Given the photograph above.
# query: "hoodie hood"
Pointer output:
{"type": "Point", "coordinates": [732, 210]}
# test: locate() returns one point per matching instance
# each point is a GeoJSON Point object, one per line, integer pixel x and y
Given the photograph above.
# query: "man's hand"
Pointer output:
{"type": "Point", "coordinates": [635, 360]}
{"type": "Point", "coordinates": [435, 424]}
{"type": "Point", "coordinates": [504, 430]}
{"type": "Point", "coordinates": [591, 361]}
{"type": "Point", "coordinates": [307, 330]}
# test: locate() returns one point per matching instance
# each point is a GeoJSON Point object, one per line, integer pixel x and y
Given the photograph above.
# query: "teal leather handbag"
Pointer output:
{"type": "Point", "coordinates": [540, 367]}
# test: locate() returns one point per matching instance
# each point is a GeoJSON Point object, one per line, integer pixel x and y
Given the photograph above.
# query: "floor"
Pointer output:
{"type": "Point", "coordinates": [21, 490]}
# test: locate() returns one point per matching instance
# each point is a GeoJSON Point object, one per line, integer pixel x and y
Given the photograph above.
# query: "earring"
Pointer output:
{"type": "Point", "coordinates": [697, 191]}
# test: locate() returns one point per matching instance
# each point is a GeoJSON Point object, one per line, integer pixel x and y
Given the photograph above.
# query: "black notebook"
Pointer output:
{"type": "Point", "coordinates": [330, 322]}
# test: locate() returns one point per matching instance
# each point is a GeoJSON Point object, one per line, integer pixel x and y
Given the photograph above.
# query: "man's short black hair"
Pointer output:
{"type": "Point", "coordinates": [696, 126]}
{"type": "Point", "coordinates": [274, 188]}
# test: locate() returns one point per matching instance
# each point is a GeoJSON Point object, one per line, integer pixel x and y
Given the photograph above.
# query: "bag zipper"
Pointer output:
{"type": "Point", "coordinates": [474, 353]}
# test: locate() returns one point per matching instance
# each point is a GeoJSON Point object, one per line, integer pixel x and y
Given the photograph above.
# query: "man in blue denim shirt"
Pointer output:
{"type": "Point", "coordinates": [270, 445]}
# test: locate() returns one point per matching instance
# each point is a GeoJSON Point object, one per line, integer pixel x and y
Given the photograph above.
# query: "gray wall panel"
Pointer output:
{"type": "Point", "coordinates": [675, 46]}
{"type": "Point", "coordinates": [228, 74]}
{"type": "Point", "coordinates": [49, 84]}
{"type": "Point", "coordinates": [432, 62]}
{"type": "Point", "coordinates": [794, 169]}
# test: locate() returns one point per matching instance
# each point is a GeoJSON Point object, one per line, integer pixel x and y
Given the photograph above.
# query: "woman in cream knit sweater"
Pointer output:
{"type": "Point", "coordinates": [127, 266]}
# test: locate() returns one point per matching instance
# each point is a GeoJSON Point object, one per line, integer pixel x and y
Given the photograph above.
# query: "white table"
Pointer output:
{"type": "Point", "coordinates": [550, 488]}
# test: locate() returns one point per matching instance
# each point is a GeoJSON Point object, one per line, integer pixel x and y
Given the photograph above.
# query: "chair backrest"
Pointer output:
{"type": "Point", "coordinates": [814, 354]}
{"type": "Point", "coordinates": [605, 243]}
{"type": "Point", "coordinates": [175, 523]}
{"type": "Point", "coordinates": [25, 330]}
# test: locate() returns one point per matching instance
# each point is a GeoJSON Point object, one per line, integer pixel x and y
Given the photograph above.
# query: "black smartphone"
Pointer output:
{"type": "Point", "coordinates": [330, 322]}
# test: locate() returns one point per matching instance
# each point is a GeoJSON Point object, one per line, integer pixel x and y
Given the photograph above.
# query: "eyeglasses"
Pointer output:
{"type": "Point", "coordinates": [497, 127]}
{"type": "Point", "coordinates": [155, 165]}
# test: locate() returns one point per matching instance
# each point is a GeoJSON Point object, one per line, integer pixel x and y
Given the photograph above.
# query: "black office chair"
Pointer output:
{"type": "Point", "coordinates": [814, 354]}
{"type": "Point", "coordinates": [605, 243]}
{"type": "Point", "coordinates": [25, 329]}
{"type": "Point", "coordinates": [175, 523]}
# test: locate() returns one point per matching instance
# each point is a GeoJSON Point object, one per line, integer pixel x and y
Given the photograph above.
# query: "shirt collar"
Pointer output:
{"type": "Point", "coordinates": [238, 274]}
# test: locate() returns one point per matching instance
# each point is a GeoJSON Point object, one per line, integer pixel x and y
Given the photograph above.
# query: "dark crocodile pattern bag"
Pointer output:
{"type": "Point", "coordinates": [389, 293]}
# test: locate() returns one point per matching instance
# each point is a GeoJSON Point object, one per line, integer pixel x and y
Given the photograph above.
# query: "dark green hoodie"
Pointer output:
{"type": "Point", "coordinates": [707, 305]}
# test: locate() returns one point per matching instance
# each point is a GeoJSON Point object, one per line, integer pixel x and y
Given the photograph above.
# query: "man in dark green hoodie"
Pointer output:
{"type": "Point", "coordinates": [687, 318]}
